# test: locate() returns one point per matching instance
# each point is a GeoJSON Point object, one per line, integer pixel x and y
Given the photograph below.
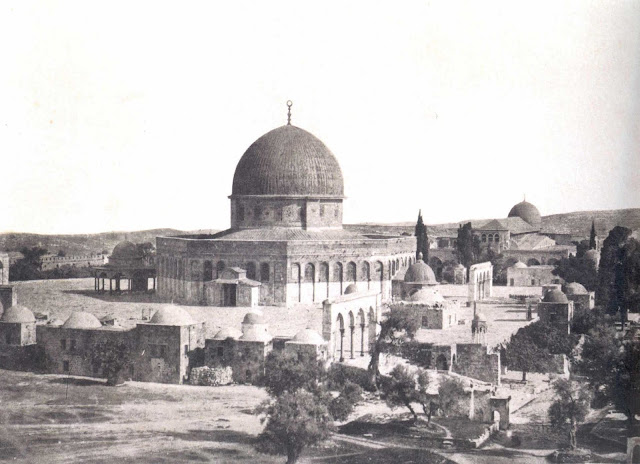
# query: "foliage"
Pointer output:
{"type": "Point", "coordinates": [146, 250]}
{"type": "Point", "coordinates": [399, 389]}
{"type": "Point", "coordinates": [464, 245]}
{"type": "Point", "coordinates": [585, 319]}
{"type": "Point", "coordinates": [450, 396]}
{"type": "Point", "coordinates": [284, 372]}
{"type": "Point", "coordinates": [570, 407]}
{"type": "Point", "coordinates": [341, 406]}
{"type": "Point", "coordinates": [29, 267]}
{"type": "Point", "coordinates": [112, 358]}
{"type": "Point", "coordinates": [625, 383]}
{"type": "Point", "coordinates": [577, 269]}
{"type": "Point", "coordinates": [339, 374]}
{"type": "Point", "coordinates": [627, 277]}
{"type": "Point", "coordinates": [425, 399]}
{"type": "Point", "coordinates": [422, 239]}
{"type": "Point", "coordinates": [607, 295]}
{"type": "Point", "coordinates": [592, 236]}
{"type": "Point", "coordinates": [294, 421]}
{"type": "Point", "coordinates": [398, 326]}
{"type": "Point", "coordinates": [531, 347]}
{"type": "Point", "coordinates": [62, 253]}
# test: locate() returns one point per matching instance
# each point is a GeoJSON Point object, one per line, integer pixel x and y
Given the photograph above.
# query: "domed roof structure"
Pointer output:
{"type": "Point", "coordinates": [351, 288]}
{"type": "Point", "coordinates": [574, 288]}
{"type": "Point", "coordinates": [253, 317]}
{"type": "Point", "coordinates": [555, 296]}
{"type": "Point", "coordinates": [309, 337]}
{"type": "Point", "coordinates": [428, 296]}
{"type": "Point", "coordinates": [125, 250]}
{"type": "Point", "coordinates": [18, 315]}
{"type": "Point", "coordinates": [420, 273]}
{"type": "Point", "coordinates": [527, 212]}
{"type": "Point", "coordinates": [288, 161]}
{"type": "Point", "coordinates": [171, 315]}
{"type": "Point", "coordinates": [227, 332]}
{"type": "Point", "coordinates": [519, 265]}
{"type": "Point", "coordinates": [81, 320]}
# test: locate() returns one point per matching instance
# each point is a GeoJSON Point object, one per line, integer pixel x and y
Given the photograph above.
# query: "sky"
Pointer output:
{"type": "Point", "coordinates": [133, 115]}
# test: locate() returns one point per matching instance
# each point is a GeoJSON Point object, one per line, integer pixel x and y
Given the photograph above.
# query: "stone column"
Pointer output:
{"type": "Point", "coordinates": [352, 329]}
{"type": "Point", "coordinates": [341, 345]}
{"type": "Point", "coordinates": [362, 339]}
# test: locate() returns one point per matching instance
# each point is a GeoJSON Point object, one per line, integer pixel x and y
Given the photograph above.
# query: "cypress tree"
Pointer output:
{"type": "Point", "coordinates": [422, 245]}
{"type": "Point", "coordinates": [592, 236]}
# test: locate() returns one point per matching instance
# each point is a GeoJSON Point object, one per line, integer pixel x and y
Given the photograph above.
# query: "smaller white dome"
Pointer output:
{"type": "Point", "coordinates": [308, 337]}
{"type": "Point", "coordinates": [81, 320]}
{"type": "Point", "coordinates": [228, 332]}
{"type": "Point", "coordinates": [171, 315]}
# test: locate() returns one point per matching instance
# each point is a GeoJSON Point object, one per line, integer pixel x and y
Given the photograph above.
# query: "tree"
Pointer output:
{"type": "Point", "coordinates": [450, 396]}
{"type": "Point", "coordinates": [592, 236]}
{"type": "Point", "coordinates": [599, 358]}
{"type": "Point", "coordinates": [625, 383]}
{"type": "Point", "coordinates": [569, 408]}
{"type": "Point", "coordinates": [147, 251]}
{"type": "Point", "coordinates": [294, 420]}
{"type": "Point", "coordinates": [398, 326]}
{"type": "Point", "coordinates": [422, 239]}
{"type": "Point", "coordinates": [341, 406]}
{"type": "Point", "coordinates": [464, 245]}
{"type": "Point", "coordinates": [112, 358]}
{"type": "Point", "coordinates": [577, 269]}
{"type": "Point", "coordinates": [284, 372]}
{"type": "Point", "coordinates": [29, 267]}
{"type": "Point", "coordinates": [606, 294]}
{"type": "Point", "coordinates": [62, 253]}
{"type": "Point", "coordinates": [425, 399]}
{"type": "Point", "coordinates": [627, 278]}
{"type": "Point", "coordinates": [400, 389]}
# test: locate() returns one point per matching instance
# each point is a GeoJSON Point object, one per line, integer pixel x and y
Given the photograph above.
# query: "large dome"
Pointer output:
{"type": "Point", "coordinates": [288, 161]}
{"type": "Point", "coordinates": [126, 250]}
{"type": "Point", "coordinates": [18, 314]}
{"type": "Point", "coordinates": [171, 315]}
{"type": "Point", "coordinates": [81, 320]}
{"type": "Point", "coordinates": [420, 273]}
{"type": "Point", "coordinates": [527, 212]}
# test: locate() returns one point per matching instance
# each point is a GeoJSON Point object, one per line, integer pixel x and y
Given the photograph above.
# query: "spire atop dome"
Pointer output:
{"type": "Point", "coordinates": [289, 105]}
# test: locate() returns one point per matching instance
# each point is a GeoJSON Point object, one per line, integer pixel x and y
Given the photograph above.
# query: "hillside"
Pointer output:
{"type": "Point", "coordinates": [79, 244]}
{"type": "Point", "coordinates": [574, 223]}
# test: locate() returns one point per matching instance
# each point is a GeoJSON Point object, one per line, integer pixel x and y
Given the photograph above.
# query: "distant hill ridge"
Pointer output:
{"type": "Point", "coordinates": [82, 244]}
{"type": "Point", "coordinates": [574, 223]}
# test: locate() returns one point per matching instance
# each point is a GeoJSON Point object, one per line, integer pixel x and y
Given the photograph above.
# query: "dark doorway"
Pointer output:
{"type": "Point", "coordinates": [229, 294]}
{"type": "Point", "coordinates": [441, 363]}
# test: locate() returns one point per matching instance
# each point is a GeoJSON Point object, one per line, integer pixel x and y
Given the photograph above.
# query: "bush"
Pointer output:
{"type": "Point", "coordinates": [340, 375]}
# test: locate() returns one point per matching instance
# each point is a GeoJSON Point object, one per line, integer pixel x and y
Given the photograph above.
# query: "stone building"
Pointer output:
{"type": "Point", "coordinates": [308, 343]}
{"type": "Point", "coordinates": [480, 281]}
{"type": "Point", "coordinates": [245, 352]}
{"type": "Point", "coordinates": [126, 265]}
{"type": "Point", "coordinates": [160, 350]}
{"type": "Point", "coordinates": [350, 323]}
{"type": "Point", "coordinates": [556, 309]}
{"type": "Point", "coordinates": [582, 299]}
{"type": "Point", "coordinates": [17, 338]}
{"type": "Point", "coordinates": [286, 232]}
{"type": "Point", "coordinates": [4, 268]}
{"type": "Point", "coordinates": [521, 275]}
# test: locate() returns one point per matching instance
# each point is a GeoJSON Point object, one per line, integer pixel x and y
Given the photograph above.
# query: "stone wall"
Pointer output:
{"type": "Point", "coordinates": [4, 269]}
{"type": "Point", "coordinates": [17, 334]}
{"type": "Point", "coordinates": [533, 276]}
{"type": "Point", "coordinates": [586, 302]}
{"type": "Point", "coordinates": [298, 271]}
{"type": "Point", "coordinates": [8, 296]}
{"type": "Point", "coordinates": [473, 360]}
{"type": "Point", "coordinates": [211, 376]}
{"type": "Point", "coordinates": [557, 314]}
{"type": "Point", "coordinates": [245, 358]}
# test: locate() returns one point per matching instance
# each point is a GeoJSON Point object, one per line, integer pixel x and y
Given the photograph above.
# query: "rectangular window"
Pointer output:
{"type": "Point", "coordinates": [425, 321]}
{"type": "Point", "coordinates": [186, 349]}
{"type": "Point", "coordinates": [73, 344]}
{"type": "Point", "coordinates": [511, 282]}
{"type": "Point", "coordinates": [65, 366]}
{"type": "Point", "coordinates": [63, 344]}
{"type": "Point", "coordinates": [533, 281]}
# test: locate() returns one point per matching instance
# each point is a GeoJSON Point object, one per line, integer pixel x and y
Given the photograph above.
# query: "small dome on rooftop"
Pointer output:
{"type": "Point", "coordinates": [480, 317]}
{"type": "Point", "coordinates": [574, 288]}
{"type": "Point", "coordinates": [253, 317]}
{"type": "Point", "coordinates": [351, 288]}
{"type": "Point", "coordinates": [17, 315]}
{"type": "Point", "coordinates": [227, 332]}
{"type": "Point", "coordinates": [420, 273]}
{"type": "Point", "coordinates": [428, 296]}
{"type": "Point", "coordinates": [308, 336]}
{"type": "Point", "coordinates": [519, 265]}
{"type": "Point", "coordinates": [81, 320]}
{"type": "Point", "coordinates": [555, 296]}
{"type": "Point", "coordinates": [171, 315]}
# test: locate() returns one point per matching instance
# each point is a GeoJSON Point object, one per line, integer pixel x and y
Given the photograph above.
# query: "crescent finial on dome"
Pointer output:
{"type": "Point", "coordinates": [289, 105]}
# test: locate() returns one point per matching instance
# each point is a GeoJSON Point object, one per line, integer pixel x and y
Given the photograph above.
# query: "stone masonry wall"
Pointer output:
{"type": "Point", "coordinates": [473, 360]}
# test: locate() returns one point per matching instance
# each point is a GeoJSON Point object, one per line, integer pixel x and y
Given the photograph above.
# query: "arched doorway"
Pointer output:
{"type": "Point", "coordinates": [310, 277]}
{"type": "Point", "coordinates": [338, 276]}
{"type": "Point", "coordinates": [436, 265]}
{"type": "Point", "coordinates": [495, 417]}
{"type": "Point", "coordinates": [323, 279]}
{"type": "Point", "coordinates": [533, 262]}
{"type": "Point", "coordinates": [441, 363]}
{"type": "Point", "coordinates": [635, 456]}
{"type": "Point", "coordinates": [295, 280]}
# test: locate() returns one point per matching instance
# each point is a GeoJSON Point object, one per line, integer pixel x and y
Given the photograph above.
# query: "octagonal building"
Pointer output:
{"type": "Point", "coordinates": [286, 235]}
